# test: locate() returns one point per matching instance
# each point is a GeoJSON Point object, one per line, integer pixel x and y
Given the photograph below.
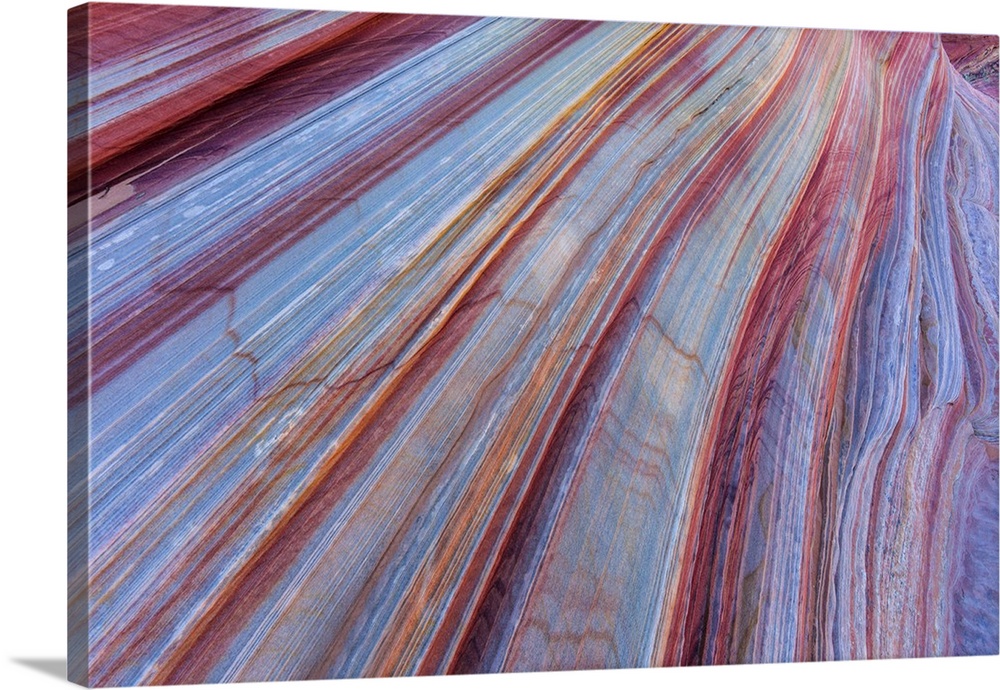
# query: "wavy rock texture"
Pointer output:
{"type": "Point", "coordinates": [414, 344]}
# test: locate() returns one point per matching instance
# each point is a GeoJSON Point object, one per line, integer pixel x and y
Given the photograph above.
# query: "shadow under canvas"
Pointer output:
{"type": "Point", "coordinates": [49, 666]}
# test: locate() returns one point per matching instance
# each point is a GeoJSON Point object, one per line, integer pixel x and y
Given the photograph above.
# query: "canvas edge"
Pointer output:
{"type": "Point", "coordinates": [78, 345]}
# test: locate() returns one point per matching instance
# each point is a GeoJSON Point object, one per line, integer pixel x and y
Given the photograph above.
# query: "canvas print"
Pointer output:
{"type": "Point", "coordinates": [412, 344]}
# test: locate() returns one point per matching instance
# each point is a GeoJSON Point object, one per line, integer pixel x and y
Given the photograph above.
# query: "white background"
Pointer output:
{"type": "Point", "coordinates": [33, 336]}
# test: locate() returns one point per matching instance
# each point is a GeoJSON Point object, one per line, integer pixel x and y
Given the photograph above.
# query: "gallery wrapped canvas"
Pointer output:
{"type": "Point", "coordinates": [414, 344]}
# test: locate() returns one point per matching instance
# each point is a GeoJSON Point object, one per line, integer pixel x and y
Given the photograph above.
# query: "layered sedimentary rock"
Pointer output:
{"type": "Point", "coordinates": [412, 344]}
